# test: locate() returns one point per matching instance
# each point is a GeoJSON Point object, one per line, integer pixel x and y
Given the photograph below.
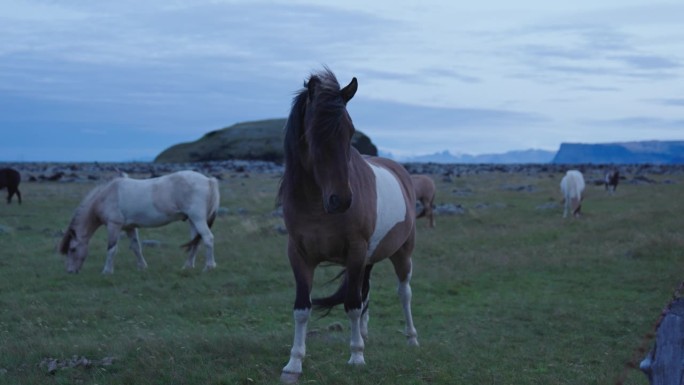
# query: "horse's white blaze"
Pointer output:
{"type": "Point", "coordinates": [391, 206]}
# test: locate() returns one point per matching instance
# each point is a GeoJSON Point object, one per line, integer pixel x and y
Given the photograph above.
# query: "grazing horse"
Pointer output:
{"type": "Point", "coordinates": [425, 189]}
{"type": "Point", "coordinates": [572, 187]}
{"type": "Point", "coordinates": [126, 204]}
{"type": "Point", "coordinates": [343, 208]}
{"type": "Point", "coordinates": [10, 178]}
{"type": "Point", "coordinates": [611, 180]}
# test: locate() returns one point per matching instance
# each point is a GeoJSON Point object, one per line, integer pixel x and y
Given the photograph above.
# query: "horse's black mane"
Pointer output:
{"type": "Point", "coordinates": [330, 115]}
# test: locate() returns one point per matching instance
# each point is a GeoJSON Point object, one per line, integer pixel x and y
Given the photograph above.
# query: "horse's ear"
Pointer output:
{"type": "Point", "coordinates": [349, 91]}
{"type": "Point", "coordinates": [311, 87]}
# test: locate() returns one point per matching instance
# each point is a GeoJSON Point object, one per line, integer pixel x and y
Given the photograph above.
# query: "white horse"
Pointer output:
{"type": "Point", "coordinates": [572, 187]}
{"type": "Point", "coordinates": [126, 204]}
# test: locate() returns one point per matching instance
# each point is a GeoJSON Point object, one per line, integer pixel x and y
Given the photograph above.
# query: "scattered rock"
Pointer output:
{"type": "Point", "coordinates": [335, 327]}
{"type": "Point", "coordinates": [449, 209]}
{"type": "Point", "coordinates": [521, 188]}
{"type": "Point", "coordinates": [464, 192]}
{"type": "Point", "coordinates": [152, 243]}
{"type": "Point", "coordinates": [280, 229]}
{"type": "Point", "coordinates": [548, 206]}
{"type": "Point", "coordinates": [51, 365]}
{"type": "Point", "coordinates": [483, 206]}
{"type": "Point", "coordinates": [223, 170]}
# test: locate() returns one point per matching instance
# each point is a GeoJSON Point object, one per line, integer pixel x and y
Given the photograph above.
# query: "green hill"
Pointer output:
{"type": "Point", "coordinates": [258, 140]}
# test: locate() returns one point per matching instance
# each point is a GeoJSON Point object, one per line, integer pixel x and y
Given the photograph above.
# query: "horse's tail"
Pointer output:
{"type": "Point", "coordinates": [326, 304]}
{"type": "Point", "coordinates": [214, 200]}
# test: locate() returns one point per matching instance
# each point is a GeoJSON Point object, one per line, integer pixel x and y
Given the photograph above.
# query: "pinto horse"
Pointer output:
{"type": "Point", "coordinates": [10, 178]}
{"type": "Point", "coordinates": [425, 189]}
{"type": "Point", "coordinates": [126, 204]}
{"type": "Point", "coordinates": [572, 187]}
{"type": "Point", "coordinates": [343, 208]}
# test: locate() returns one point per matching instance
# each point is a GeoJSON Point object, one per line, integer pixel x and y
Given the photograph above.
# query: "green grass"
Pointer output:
{"type": "Point", "coordinates": [505, 294]}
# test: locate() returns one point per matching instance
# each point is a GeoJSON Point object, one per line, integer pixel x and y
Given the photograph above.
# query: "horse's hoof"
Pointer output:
{"type": "Point", "coordinates": [289, 377]}
{"type": "Point", "coordinates": [356, 359]}
{"type": "Point", "coordinates": [209, 267]}
{"type": "Point", "coordinates": [413, 341]}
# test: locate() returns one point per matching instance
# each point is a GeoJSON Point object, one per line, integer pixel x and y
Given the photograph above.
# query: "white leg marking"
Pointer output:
{"type": "Point", "coordinates": [391, 206]}
{"type": "Point", "coordinates": [135, 246]}
{"type": "Point", "coordinates": [364, 319]}
{"type": "Point", "coordinates": [109, 262]}
{"type": "Point", "coordinates": [356, 344]}
{"type": "Point", "coordinates": [208, 240]}
{"type": "Point", "coordinates": [404, 291]}
{"type": "Point", "coordinates": [192, 252]}
{"type": "Point", "coordinates": [294, 366]}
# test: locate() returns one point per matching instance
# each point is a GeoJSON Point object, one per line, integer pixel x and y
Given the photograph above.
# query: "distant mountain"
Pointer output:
{"type": "Point", "coordinates": [519, 156]}
{"type": "Point", "coordinates": [653, 152]}
{"type": "Point", "coordinates": [257, 140]}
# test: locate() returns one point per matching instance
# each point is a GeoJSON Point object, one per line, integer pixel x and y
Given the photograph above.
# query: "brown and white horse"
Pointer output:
{"type": "Point", "coordinates": [425, 190]}
{"type": "Point", "coordinates": [126, 204]}
{"type": "Point", "coordinates": [343, 208]}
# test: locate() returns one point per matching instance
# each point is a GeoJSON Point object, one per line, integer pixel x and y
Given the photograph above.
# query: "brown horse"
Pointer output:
{"type": "Point", "coordinates": [342, 208]}
{"type": "Point", "coordinates": [425, 189]}
{"type": "Point", "coordinates": [10, 178]}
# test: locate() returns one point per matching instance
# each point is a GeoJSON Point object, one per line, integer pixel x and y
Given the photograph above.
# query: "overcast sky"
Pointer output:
{"type": "Point", "coordinates": [123, 80]}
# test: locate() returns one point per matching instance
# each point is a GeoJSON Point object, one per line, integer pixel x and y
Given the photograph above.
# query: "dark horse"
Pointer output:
{"type": "Point", "coordinates": [611, 180]}
{"type": "Point", "coordinates": [342, 208]}
{"type": "Point", "coordinates": [10, 178]}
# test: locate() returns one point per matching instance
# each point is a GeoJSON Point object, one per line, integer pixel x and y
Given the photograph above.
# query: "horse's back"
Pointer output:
{"type": "Point", "coordinates": [572, 183]}
{"type": "Point", "coordinates": [157, 201]}
{"type": "Point", "coordinates": [9, 177]}
{"type": "Point", "coordinates": [424, 187]}
{"type": "Point", "coordinates": [395, 208]}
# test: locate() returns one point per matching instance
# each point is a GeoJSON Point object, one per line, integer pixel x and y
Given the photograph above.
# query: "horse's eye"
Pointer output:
{"type": "Point", "coordinates": [72, 249]}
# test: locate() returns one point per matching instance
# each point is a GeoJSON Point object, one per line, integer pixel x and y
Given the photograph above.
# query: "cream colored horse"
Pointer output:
{"type": "Point", "coordinates": [572, 187]}
{"type": "Point", "coordinates": [126, 204]}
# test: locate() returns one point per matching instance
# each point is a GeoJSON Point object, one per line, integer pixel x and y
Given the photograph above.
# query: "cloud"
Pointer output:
{"type": "Point", "coordinates": [642, 122]}
{"type": "Point", "coordinates": [402, 115]}
{"type": "Point", "coordinates": [677, 102]}
{"type": "Point", "coordinates": [647, 62]}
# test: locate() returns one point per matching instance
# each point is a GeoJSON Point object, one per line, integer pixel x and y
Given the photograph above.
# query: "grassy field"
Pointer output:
{"type": "Point", "coordinates": [506, 293]}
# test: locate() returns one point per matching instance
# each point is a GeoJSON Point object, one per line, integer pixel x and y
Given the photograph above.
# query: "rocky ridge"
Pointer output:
{"type": "Point", "coordinates": [81, 172]}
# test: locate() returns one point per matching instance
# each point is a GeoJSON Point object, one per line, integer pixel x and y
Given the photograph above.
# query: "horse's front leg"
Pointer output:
{"type": "Point", "coordinates": [135, 246]}
{"type": "Point", "coordinates": [365, 294]}
{"type": "Point", "coordinates": [303, 274]}
{"type": "Point", "coordinates": [113, 232]}
{"type": "Point", "coordinates": [354, 307]}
